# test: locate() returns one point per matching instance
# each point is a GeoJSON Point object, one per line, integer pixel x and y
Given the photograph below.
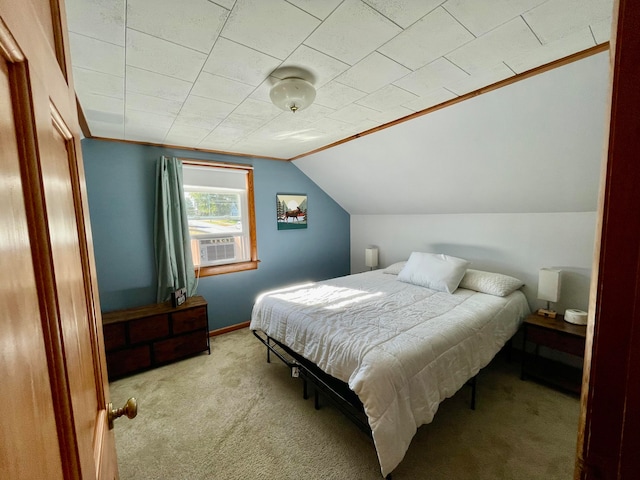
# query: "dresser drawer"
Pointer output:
{"type": "Point", "coordinates": [115, 335]}
{"type": "Point", "coordinates": [189, 320]}
{"type": "Point", "coordinates": [182, 346]}
{"type": "Point", "coordinates": [149, 328]}
{"type": "Point", "coordinates": [556, 340]}
{"type": "Point", "coordinates": [122, 362]}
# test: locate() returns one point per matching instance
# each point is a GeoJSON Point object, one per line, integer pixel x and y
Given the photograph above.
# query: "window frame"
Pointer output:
{"type": "Point", "coordinates": [252, 264]}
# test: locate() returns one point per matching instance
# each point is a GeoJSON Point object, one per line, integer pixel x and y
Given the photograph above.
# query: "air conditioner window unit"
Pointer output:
{"type": "Point", "coordinates": [214, 251]}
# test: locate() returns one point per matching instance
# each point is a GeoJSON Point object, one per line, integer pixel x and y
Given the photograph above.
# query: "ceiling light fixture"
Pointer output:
{"type": "Point", "coordinates": [292, 94]}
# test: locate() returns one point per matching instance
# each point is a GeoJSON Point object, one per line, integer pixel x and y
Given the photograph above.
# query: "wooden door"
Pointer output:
{"type": "Point", "coordinates": [54, 386]}
{"type": "Point", "coordinates": [609, 433]}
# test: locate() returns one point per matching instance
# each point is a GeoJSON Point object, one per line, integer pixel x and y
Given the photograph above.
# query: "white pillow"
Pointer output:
{"type": "Point", "coordinates": [395, 268]}
{"type": "Point", "coordinates": [489, 282]}
{"type": "Point", "coordinates": [435, 271]}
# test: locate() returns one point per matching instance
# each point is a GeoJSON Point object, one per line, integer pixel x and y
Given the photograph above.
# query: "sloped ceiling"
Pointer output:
{"type": "Point", "coordinates": [197, 73]}
{"type": "Point", "coordinates": [534, 146]}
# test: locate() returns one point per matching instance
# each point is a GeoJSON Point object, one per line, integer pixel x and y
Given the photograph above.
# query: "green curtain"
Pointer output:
{"type": "Point", "coordinates": [174, 264]}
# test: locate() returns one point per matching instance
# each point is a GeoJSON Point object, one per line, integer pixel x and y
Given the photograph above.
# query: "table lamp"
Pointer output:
{"type": "Point", "coordinates": [548, 289]}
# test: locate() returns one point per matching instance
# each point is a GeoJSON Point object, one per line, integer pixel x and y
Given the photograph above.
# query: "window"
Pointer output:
{"type": "Point", "coordinates": [220, 209]}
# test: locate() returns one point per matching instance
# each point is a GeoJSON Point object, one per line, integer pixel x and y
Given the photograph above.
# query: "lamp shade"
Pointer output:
{"type": "Point", "coordinates": [549, 284]}
{"type": "Point", "coordinates": [292, 94]}
{"type": "Point", "coordinates": [371, 257]}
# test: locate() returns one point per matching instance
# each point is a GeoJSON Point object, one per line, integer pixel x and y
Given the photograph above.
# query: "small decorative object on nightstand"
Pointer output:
{"type": "Point", "coordinates": [555, 334]}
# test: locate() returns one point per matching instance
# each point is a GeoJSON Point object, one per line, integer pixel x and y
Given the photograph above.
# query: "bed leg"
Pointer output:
{"type": "Point", "coordinates": [473, 392]}
{"type": "Point", "coordinates": [268, 349]}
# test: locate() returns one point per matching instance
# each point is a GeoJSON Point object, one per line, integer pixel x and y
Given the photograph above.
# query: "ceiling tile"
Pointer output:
{"type": "Point", "coordinates": [147, 103]}
{"type": "Point", "coordinates": [253, 68]}
{"type": "Point", "coordinates": [507, 41]}
{"type": "Point", "coordinates": [351, 32]}
{"type": "Point", "coordinates": [228, 4]}
{"type": "Point", "coordinates": [601, 30]}
{"type": "Point", "coordinates": [185, 135]}
{"type": "Point", "coordinates": [159, 56]}
{"type": "Point", "coordinates": [274, 27]}
{"type": "Point", "coordinates": [430, 77]}
{"type": "Point", "coordinates": [481, 17]}
{"type": "Point", "coordinates": [102, 129]}
{"type": "Point", "coordinates": [105, 109]}
{"type": "Point", "coordinates": [336, 95]}
{"type": "Point", "coordinates": [436, 97]}
{"type": "Point", "coordinates": [392, 114]}
{"type": "Point", "coordinates": [486, 77]}
{"type": "Point", "coordinates": [156, 85]}
{"type": "Point", "coordinates": [253, 108]}
{"type": "Point", "coordinates": [386, 98]}
{"type": "Point", "coordinates": [203, 112]}
{"type": "Point", "coordinates": [353, 114]}
{"type": "Point", "coordinates": [406, 12]}
{"type": "Point", "coordinates": [221, 88]}
{"type": "Point", "coordinates": [192, 23]}
{"type": "Point", "coordinates": [145, 126]}
{"type": "Point", "coordinates": [542, 54]}
{"type": "Point", "coordinates": [100, 19]}
{"type": "Point", "coordinates": [435, 35]}
{"type": "Point", "coordinates": [233, 128]}
{"type": "Point", "coordinates": [220, 141]}
{"type": "Point", "coordinates": [558, 18]}
{"type": "Point", "coordinates": [318, 9]}
{"type": "Point", "coordinates": [320, 68]}
{"type": "Point", "coordinates": [90, 81]}
{"type": "Point", "coordinates": [97, 55]}
{"type": "Point", "coordinates": [329, 125]}
{"type": "Point", "coordinates": [372, 73]}
{"type": "Point", "coordinates": [309, 115]}
{"type": "Point", "coordinates": [139, 132]}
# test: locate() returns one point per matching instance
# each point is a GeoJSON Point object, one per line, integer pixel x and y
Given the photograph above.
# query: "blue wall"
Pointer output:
{"type": "Point", "coordinates": [121, 189]}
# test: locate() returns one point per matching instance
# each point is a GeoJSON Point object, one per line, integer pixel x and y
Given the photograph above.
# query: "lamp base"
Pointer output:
{"type": "Point", "coordinates": [547, 313]}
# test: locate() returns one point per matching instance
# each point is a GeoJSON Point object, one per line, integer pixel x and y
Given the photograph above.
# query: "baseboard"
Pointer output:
{"type": "Point", "coordinates": [230, 328]}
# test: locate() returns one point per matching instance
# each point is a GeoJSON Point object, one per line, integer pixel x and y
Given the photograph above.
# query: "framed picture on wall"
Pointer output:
{"type": "Point", "coordinates": [291, 211]}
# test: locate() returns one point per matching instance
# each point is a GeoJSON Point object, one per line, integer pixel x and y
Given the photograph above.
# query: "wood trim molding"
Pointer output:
{"type": "Point", "coordinates": [230, 328]}
{"type": "Point", "coordinates": [82, 120]}
{"type": "Point", "coordinates": [182, 147]}
{"type": "Point", "coordinates": [502, 83]}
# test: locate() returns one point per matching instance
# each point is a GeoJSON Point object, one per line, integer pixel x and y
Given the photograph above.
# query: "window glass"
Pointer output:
{"type": "Point", "coordinates": [219, 204]}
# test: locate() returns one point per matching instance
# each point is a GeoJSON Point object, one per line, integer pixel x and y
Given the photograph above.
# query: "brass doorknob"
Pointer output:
{"type": "Point", "coordinates": [130, 409]}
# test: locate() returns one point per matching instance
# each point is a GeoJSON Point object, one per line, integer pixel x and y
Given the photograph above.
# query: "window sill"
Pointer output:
{"type": "Point", "coordinates": [229, 268]}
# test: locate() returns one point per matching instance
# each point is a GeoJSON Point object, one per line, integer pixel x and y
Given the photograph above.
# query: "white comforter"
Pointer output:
{"type": "Point", "coordinates": [402, 349]}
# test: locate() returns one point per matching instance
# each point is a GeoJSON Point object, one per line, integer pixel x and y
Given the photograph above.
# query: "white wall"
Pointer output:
{"type": "Point", "coordinates": [511, 243]}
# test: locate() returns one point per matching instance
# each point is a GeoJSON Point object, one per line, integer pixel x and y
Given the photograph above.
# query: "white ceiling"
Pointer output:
{"type": "Point", "coordinates": [197, 73]}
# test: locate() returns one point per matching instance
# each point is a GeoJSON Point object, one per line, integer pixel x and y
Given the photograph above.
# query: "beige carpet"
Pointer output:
{"type": "Point", "coordinates": [231, 415]}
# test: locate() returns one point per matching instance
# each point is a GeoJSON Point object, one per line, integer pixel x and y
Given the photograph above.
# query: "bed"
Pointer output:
{"type": "Point", "coordinates": [401, 344]}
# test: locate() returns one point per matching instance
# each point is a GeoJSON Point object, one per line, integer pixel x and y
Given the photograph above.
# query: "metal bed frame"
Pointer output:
{"type": "Point", "coordinates": [336, 391]}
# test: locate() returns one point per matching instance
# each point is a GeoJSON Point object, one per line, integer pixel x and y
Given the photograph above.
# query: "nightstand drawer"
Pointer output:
{"type": "Point", "coordinates": [556, 340]}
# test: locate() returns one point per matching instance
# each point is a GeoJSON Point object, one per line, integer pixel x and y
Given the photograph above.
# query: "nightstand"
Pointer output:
{"type": "Point", "coordinates": [555, 334]}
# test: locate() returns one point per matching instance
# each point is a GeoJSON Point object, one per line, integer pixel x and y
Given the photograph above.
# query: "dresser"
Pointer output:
{"type": "Point", "coordinates": [141, 338]}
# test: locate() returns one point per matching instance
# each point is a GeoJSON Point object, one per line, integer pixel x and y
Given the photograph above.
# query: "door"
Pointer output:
{"type": "Point", "coordinates": [53, 386]}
